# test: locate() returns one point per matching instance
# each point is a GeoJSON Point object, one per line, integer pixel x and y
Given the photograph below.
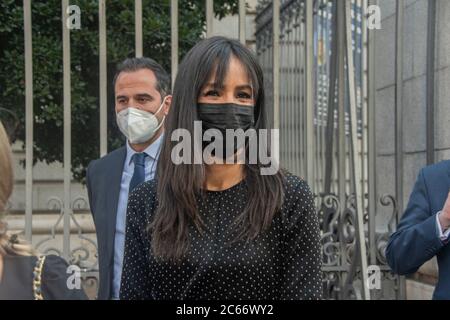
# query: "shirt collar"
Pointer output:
{"type": "Point", "coordinates": [152, 150]}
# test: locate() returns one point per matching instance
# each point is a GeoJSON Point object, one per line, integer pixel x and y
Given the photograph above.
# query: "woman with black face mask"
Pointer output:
{"type": "Point", "coordinates": [215, 230]}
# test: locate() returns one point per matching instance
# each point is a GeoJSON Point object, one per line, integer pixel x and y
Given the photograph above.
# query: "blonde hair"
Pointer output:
{"type": "Point", "coordinates": [9, 245]}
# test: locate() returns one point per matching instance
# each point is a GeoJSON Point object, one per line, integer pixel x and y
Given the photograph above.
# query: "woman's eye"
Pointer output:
{"type": "Point", "coordinates": [212, 93]}
{"type": "Point", "coordinates": [243, 95]}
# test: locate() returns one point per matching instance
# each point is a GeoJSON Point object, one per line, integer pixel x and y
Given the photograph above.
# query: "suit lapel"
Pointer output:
{"type": "Point", "coordinates": [448, 181]}
{"type": "Point", "coordinates": [448, 172]}
{"type": "Point", "coordinates": [114, 174]}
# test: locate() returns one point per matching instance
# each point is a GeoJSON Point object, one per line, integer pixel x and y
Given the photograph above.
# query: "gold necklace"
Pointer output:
{"type": "Point", "coordinates": [37, 278]}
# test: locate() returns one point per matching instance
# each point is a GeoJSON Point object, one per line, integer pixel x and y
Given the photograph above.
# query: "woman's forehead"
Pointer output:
{"type": "Point", "coordinates": [234, 73]}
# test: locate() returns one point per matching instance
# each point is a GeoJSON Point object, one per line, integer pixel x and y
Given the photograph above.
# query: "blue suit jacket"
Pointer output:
{"type": "Point", "coordinates": [417, 237]}
{"type": "Point", "coordinates": [103, 183]}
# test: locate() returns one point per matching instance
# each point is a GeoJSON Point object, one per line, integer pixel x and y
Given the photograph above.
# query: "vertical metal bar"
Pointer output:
{"type": "Point", "coordinates": [356, 165]}
{"type": "Point", "coordinates": [342, 176]}
{"type": "Point", "coordinates": [276, 64]}
{"type": "Point", "coordinates": [285, 87]}
{"type": "Point", "coordinates": [174, 38]}
{"type": "Point", "coordinates": [360, 50]}
{"type": "Point", "coordinates": [317, 32]}
{"type": "Point", "coordinates": [399, 119]}
{"type": "Point", "coordinates": [291, 93]}
{"type": "Point", "coordinates": [242, 21]}
{"type": "Point", "coordinates": [302, 95]}
{"type": "Point", "coordinates": [297, 94]}
{"type": "Point", "coordinates": [331, 105]}
{"type": "Point", "coordinates": [309, 78]}
{"type": "Point", "coordinates": [270, 58]}
{"type": "Point", "coordinates": [138, 27]}
{"type": "Point", "coordinates": [321, 16]}
{"type": "Point", "coordinates": [29, 124]}
{"type": "Point", "coordinates": [341, 165]}
{"type": "Point", "coordinates": [341, 102]}
{"type": "Point", "coordinates": [319, 94]}
{"type": "Point", "coordinates": [209, 18]}
{"type": "Point", "coordinates": [67, 130]}
{"type": "Point", "coordinates": [399, 106]}
{"type": "Point", "coordinates": [371, 141]}
{"type": "Point", "coordinates": [283, 118]}
{"type": "Point", "coordinates": [103, 78]}
{"type": "Point", "coordinates": [284, 132]}
{"type": "Point", "coordinates": [431, 45]}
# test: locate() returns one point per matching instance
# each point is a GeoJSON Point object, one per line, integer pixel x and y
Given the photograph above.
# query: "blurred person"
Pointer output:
{"type": "Point", "coordinates": [220, 231]}
{"type": "Point", "coordinates": [142, 101]}
{"type": "Point", "coordinates": [424, 229]}
{"type": "Point", "coordinates": [24, 274]}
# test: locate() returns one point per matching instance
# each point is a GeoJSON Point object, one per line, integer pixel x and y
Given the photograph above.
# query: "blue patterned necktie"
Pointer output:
{"type": "Point", "coordinates": [139, 170]}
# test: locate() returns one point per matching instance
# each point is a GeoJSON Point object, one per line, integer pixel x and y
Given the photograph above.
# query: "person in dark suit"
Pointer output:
{"type": "Point", "coordinates": [142, 102]}
{"type": "Point", "coordinates": [424, 229]}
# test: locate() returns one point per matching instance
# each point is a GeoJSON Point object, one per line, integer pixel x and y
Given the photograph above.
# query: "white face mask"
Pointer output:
{"type": "Point", "coordinates": [137, 125]}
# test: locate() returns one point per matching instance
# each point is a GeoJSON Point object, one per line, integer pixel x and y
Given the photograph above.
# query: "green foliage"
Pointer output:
{"type": "Point", "coordinates": [48, 66]}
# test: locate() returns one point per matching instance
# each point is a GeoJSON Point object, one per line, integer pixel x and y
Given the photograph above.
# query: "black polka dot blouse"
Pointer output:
{"type": "Point", "coordinates": [283, 263]}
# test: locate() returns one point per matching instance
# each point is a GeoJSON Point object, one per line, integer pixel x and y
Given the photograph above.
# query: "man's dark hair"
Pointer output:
{"type": "Point", "coordinates": [135, 64]}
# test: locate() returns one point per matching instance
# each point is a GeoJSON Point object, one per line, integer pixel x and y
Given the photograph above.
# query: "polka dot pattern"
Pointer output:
{"type": "Point", "coordinates": [283, 263]}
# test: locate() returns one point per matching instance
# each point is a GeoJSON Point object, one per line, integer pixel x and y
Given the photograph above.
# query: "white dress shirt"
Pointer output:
{"type": "Point", "coordinates": [442, 235]}
{"type": "Point", "coordinates": [128, 169]}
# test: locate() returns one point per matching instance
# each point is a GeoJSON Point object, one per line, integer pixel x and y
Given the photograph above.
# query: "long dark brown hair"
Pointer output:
{"type": "Point", "coordinates": [180, 185]}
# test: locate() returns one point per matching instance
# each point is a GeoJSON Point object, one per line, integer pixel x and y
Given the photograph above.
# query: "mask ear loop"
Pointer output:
{"type": "Point", "coordinates": [164, 118]}
{"type": "Point", "coordinates": [160, 107]}
{"type": "Point", "coordinates": [159, 150]}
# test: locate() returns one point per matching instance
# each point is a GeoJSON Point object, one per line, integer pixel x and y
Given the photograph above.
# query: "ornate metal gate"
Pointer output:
{"type": "Point", "coordinates": [324, 80]}
{"type": "Point", "coordinates": [318, 63]}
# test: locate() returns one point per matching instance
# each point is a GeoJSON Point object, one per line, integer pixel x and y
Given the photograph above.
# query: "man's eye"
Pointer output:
{"type": "Point", "coordinates": [212, 93]}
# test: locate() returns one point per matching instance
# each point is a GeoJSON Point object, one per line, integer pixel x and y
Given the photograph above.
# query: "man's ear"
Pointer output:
{"type": "Point", "coordinates": [167, 104]}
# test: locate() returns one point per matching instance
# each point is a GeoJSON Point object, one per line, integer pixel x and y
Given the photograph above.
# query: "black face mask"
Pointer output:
{"type": "Point", "coordinates": [226, 116]}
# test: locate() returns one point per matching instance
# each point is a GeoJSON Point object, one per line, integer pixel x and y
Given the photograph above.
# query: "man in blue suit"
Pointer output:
{"type": "Point", "coordinates": [142, 101]}
{"type": "Point", "coordinates": [424, 229]}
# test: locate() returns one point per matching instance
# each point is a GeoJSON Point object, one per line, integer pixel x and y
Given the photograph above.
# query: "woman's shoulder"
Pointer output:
{"type": "Point", "coordinates": [145, 193]}
{"type": "Point", "coordinates": [295, 187]}
{"type": "Point", "coordinates": [54, 265]}
{"type": "Point", "coordinates": [59, 280]}
{"type": "Point", "coordinates": [50, 263]}
{"type": "Point", "coordinates": [298, 198]}
{"type": "Point", "coordinates": [146, 189]}
{"type": "Point", "coordinates": [49, 273]}
{"type": "Point", "coordinates": [142, 201]}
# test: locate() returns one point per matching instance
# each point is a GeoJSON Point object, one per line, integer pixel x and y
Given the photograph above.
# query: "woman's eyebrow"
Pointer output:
{"type": "Point", "coordinates": [244, 87]}
{"type": "Point", "coordinates": [214, 85]}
